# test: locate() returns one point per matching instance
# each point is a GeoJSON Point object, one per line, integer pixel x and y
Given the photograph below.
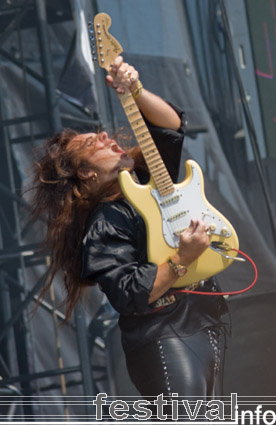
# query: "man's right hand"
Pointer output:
{"type": "Point", "coordinates": [192, 243]}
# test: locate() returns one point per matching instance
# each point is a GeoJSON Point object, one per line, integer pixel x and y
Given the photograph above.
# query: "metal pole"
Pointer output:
{"type": "Point", "coordinates": [85, 361]}
{"type": "Point", "coordinates": [50, 89]}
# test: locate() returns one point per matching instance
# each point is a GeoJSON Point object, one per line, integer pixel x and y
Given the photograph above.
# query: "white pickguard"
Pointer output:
{"type": "Point", "coordinates": [184, 204]}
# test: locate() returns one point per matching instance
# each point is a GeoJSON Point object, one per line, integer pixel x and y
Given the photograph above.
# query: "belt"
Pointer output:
{"type": "Point", "coordinates": [172, 298]}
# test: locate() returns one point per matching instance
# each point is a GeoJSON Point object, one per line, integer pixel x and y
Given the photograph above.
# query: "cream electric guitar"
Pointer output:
{"type": "Point", "coordinates": [166, 208]}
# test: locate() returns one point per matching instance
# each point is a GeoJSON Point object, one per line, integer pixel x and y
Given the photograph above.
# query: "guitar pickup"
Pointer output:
{"type": "Point", "coordinates": [170, 200]}
{"type": "Point", "coordinates": [178, 232]}
{"type": "Point", "coordinates": [177, 216]}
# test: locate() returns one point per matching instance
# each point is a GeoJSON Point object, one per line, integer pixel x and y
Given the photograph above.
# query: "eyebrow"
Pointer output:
{"type": "Point", "coordinates": [90, 138]}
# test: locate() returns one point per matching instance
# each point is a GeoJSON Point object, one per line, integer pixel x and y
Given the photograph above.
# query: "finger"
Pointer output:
{"type": "Point", "coordinates": [201, 227]}
{"type": "Point", "coordinates": [207, 231]}
{"type": "Point", "coordinates": [109, 80]}
{"type": "Point", "coordinates": [126, 77]}
{"type": "Point", "coordinates": [203, 232]}
{"type": "Point", "coordinates": [194, 225]}
{"type": "Point", "coordinates": [134, 77]}
{"type": "Point", "coordinates": [117, 63]}
{"type": "Point", "coordinates": [121, 76]}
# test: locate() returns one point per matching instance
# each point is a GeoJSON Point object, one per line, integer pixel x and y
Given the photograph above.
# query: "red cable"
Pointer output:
{"type": "Point", "coordinates": [227, 293]}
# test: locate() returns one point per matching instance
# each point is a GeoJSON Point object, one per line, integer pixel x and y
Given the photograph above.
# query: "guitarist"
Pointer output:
{"type": "Point", "coordinates": [171, 342]}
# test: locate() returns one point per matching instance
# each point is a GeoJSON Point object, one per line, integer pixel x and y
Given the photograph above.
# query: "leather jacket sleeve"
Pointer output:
{"type": "Point", "coordinates": [114, 256]}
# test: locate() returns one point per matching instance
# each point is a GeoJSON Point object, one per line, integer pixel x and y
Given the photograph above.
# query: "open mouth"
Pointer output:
{"type": "Point", "coordinates": [116, 148]}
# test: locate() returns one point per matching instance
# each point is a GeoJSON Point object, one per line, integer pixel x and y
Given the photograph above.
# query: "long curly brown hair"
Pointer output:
{"type": "Point", "coordinates": [66, 202]}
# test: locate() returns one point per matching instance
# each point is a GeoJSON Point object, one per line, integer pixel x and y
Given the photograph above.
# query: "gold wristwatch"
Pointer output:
{"type": "Point", "coordinates": [177, 268]}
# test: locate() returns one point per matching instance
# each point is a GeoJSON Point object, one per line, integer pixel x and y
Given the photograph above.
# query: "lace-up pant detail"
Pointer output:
{"type": "Point", "coordinates": [164, 366]}
{"type": "Point", "coordinates": [214, 337]}
{"type": "Point", "coordinates": [176, 365]}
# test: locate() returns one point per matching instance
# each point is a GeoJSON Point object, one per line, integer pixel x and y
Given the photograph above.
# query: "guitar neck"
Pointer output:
{"type": "Point", "coordinates": [149, 150]}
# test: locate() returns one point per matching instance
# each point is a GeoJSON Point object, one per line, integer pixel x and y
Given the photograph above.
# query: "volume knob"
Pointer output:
{"type": "Point", "coordinates": [224, 231]}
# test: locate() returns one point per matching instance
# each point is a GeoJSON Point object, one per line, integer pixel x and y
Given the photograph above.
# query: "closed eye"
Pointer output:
{"type": "Point", "coordinates": [89, 141]}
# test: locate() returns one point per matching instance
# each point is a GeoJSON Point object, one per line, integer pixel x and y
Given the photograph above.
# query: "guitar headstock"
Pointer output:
{"type": "Point", "coordinates": [107, 47]}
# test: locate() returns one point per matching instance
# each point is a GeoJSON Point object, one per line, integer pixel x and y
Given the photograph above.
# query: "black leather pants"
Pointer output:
{"type": "Point", "coordinates": [186, 366]}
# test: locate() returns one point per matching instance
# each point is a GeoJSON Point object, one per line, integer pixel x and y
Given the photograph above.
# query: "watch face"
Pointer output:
{"type": "Point", "coordinates": [181, 271]}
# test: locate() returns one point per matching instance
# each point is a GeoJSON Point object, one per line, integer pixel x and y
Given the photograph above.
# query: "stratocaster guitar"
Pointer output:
{"type": "Point", "coordinates": [166, 208]}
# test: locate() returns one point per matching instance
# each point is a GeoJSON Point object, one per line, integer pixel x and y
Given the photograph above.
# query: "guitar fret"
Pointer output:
{"type": "Point", "coordinates": [166, 192]}
{"type": "Point", "coordinates": [149, 155]}
{"type": "Point", "coordinates": [131, 109]}
{"type": "Point", "coordinates": [135, 120]}
{"type": "Point", "coordinates": [130, 114]}
{"type": "Point", "coordinates": [159, 168]}
{"type": "Point", "coordinates": [159, 163]}
{"type": "Point", "coordinates": [145, 140]}
{"type": "Point", "coordinates": [166, 185]}
{"type": "Point", "coordinates": [137, 128]}
{"type": "Point", "coordinates": [142, 134]}
{"type": "Point", "coordinates": [161, 179]}
{"type": "Point", "coordinates": [161, 174]}
{"type": "Point", "coordinates": [128, 98]}
{"type": "Point", "coordinates": [147, 149]}
{"type": "Point", "coordinates": [153, 161]}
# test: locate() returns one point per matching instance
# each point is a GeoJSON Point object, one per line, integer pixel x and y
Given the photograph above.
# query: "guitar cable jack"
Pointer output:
{"type": "Point", "coordinates": [218, 247]}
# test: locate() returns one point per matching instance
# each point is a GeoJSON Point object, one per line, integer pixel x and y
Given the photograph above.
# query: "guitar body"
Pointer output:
{"type": "Point", "coordinates": [166, 217]}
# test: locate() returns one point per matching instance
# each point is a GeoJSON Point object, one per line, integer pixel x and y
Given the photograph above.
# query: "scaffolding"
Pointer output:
{"type": "Point", "coordinates": [19, 378]}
